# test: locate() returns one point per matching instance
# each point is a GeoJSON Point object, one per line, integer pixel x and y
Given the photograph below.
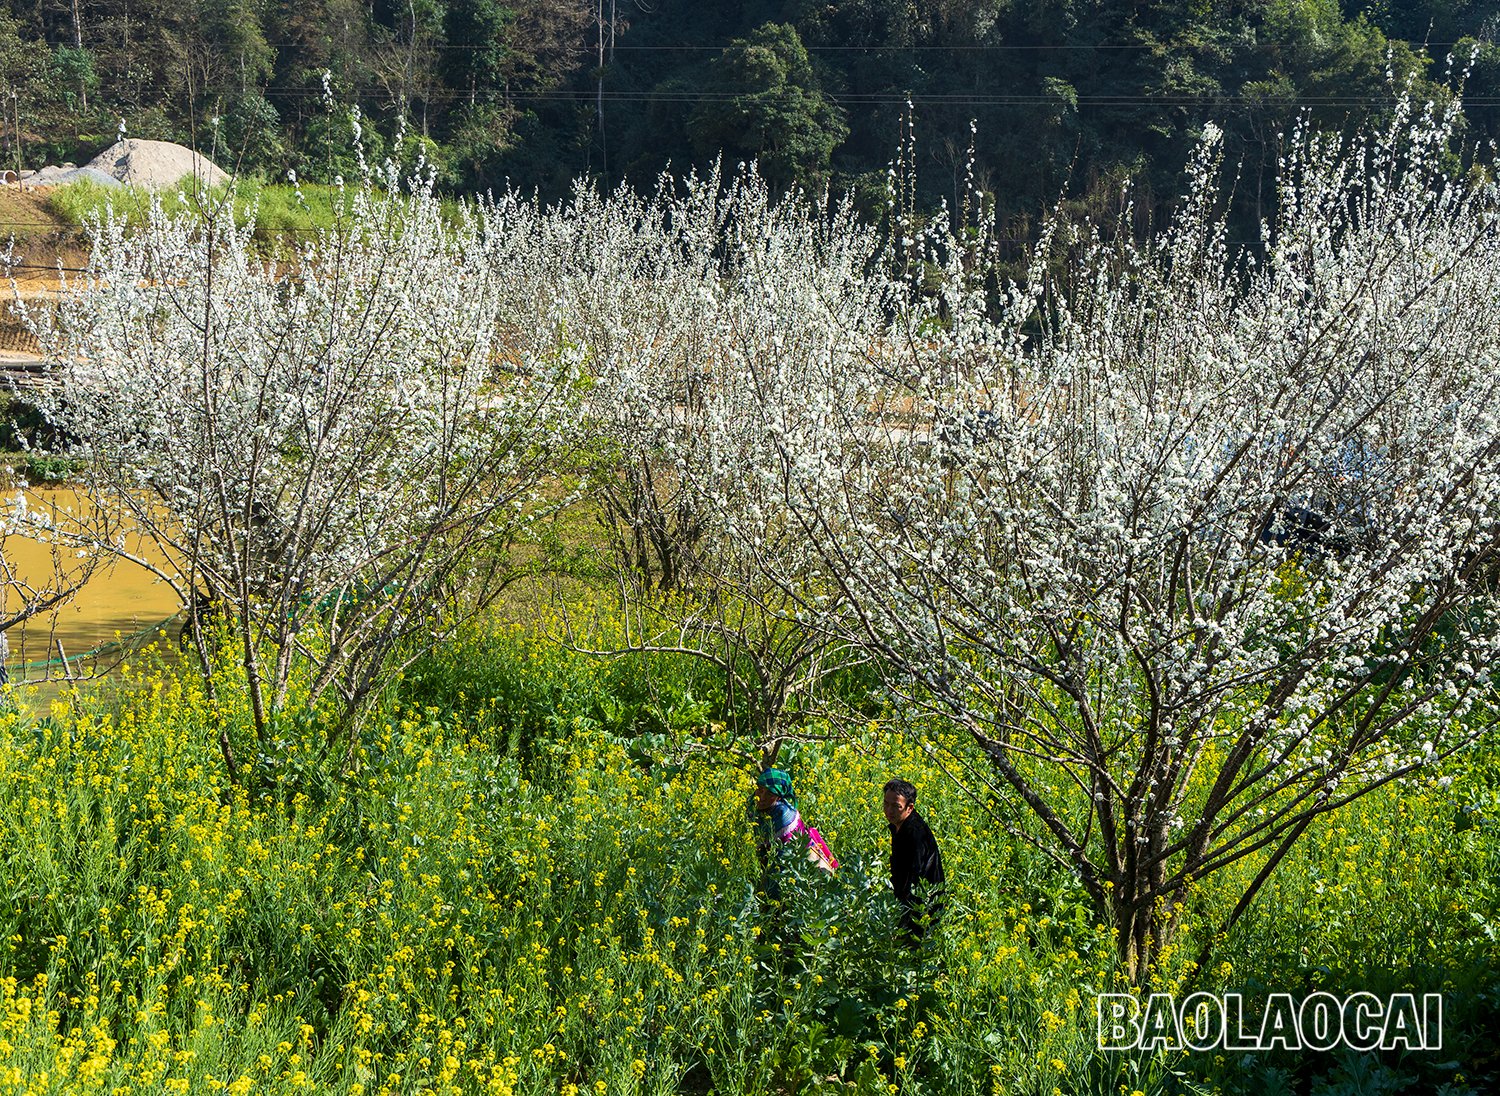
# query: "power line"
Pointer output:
{"type": "Point", "coordinates": [997, 48]}
{"type": "Point", "coordinates": [887, 99]}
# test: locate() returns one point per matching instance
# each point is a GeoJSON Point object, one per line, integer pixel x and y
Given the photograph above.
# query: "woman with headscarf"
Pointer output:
{"type": "Point", "coordinates": [775, 798]}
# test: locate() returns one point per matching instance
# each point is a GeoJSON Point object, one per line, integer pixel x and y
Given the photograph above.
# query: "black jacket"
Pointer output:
{"type": "Point", "coordinates": [915, 856]}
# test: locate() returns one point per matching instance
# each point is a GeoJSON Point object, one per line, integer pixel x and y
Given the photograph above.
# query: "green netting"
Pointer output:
{"type": "Point", "coordinates": [124, 644]}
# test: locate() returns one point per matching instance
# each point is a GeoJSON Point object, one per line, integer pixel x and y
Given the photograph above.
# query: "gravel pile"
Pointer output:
{"type": "Point", "coordinates": [156, 164]}
{"type": "Point", "coordinates": [62, 176]}
{"type": "Point", "coordinates": [134, 162]}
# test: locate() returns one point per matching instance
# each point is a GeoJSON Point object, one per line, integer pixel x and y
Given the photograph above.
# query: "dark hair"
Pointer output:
{"type": "Point", "coordinates": [905, 789]}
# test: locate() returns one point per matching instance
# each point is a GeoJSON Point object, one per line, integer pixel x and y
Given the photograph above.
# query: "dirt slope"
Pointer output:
{"type": "Point", "coordinates": [42, 242]}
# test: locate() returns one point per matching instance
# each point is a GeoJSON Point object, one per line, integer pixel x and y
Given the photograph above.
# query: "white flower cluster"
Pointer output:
{"type": "Point", "coordinates": [1211, 535]}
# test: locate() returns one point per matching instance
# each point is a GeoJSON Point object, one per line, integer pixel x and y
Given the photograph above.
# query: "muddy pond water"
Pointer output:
{"type": "Point", "coordinates": [118, 602]}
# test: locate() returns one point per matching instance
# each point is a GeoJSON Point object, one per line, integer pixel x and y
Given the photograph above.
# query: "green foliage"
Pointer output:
{"type": "Point", "coordinates": [24, 430]}
{"type": "Point", "coordinates": [764, 103]}
{"type": "Point", "coordinates": [481, 132]}
{"type": "Point", "coordinates": [521, 690]}
{"type": "Point", "coordinates": [1068, 95]}
{"type": "Point", "coordinates": [81, 202]}
{"type": "Point", "coordinates": [74, 72]}
{"type": "Point", "coordinates": [596, 921]}
{"type": "Point", "coordinates": [45, 467]}
{"type": "Point", "coordinates": [333, 145]}
{"type": "Point", "coordinates": [16, 58]}
{"type": "Point", "coordinates": [481, 26]}
{"type": "Point", "coordinates": [250, 133]}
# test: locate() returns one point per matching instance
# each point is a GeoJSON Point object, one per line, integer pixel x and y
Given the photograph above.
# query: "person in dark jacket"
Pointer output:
{"type": "Point", "coordinates": [916, 862]}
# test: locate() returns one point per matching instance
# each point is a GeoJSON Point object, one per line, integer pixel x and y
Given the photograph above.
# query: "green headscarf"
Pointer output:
{"type": "Point", "coordinates": [778, 783]}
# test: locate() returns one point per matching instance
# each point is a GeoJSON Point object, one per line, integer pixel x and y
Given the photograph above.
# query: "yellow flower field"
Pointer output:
{"type": "Point", "coordinates": [485, 907]}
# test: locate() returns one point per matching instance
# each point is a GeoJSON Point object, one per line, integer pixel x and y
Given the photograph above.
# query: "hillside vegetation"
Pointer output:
{"type": "Point", "coordinates": [536, 882]}
{"type": "Point", "coordinates": [1068, 97]}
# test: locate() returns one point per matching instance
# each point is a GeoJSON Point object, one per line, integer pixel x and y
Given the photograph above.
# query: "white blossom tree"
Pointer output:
{"type": "Point", "coordinates": [1202, 548]}
{"type": "Point", "coordinates": [719, 306]}
{"type": "Point", "coordinates": [1178, 552]}
{"type": "Point", "coordinates": [335, 450]}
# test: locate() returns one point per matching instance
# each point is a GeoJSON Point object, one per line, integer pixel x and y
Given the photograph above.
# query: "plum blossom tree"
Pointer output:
{"type": "Point", "coordinates": [1189, 548]}
{"type": "Point", "coordinates": [1178, 552]}
{"type": "Point", "coordinates": [336, 451]}
{"type": "Point", "coordinates": [736, 306]}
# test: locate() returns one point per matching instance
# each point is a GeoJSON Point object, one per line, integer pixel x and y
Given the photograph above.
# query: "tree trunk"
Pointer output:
{"type": "Point", "coordinates": [83, 84]}
{"type": "Point", "coordinates": [1143, 911]}
{"type": "Point", "coordinates": [1146, 927]}
{"type": "Point", "coordinates": [599, 105]}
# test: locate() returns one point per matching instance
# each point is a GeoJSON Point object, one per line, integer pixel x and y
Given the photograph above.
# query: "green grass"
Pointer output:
{"type": "Point", "coordinates": [279, 209]}
{"type": "Point", "coordinates": [282, 212]}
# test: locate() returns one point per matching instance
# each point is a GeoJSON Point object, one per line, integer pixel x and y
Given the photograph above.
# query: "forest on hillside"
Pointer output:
{"type": "Point", "coordinates": [1067, 97]}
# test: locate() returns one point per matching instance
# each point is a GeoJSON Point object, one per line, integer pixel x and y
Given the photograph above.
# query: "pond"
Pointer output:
{"type": "Point", "coordinates": [118, 602]}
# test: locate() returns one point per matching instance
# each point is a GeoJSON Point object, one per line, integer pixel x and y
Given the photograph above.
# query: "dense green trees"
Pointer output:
{"type": "Point", "coordinates": [1070, 96]}
{"type": "Point", "coordinates": [763, 102]}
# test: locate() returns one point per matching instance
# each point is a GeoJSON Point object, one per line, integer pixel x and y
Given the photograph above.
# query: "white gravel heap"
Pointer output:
{"type": "Point", "coordinates": [52, 175]}
{"type": "Point", "coordinates": [156, 164]}
{"type": "Point", "coordinates": [134, 162]}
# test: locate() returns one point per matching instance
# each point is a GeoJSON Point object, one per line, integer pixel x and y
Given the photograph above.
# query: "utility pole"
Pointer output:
{"type": "Point", "coordinates": [599, 84]}
{"type": "Point", "coordinates": [6, 119]}
{"type": "Point", "coordinates": [15, 98]}
{"type": "Point", "coordinates": [599, 23]}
